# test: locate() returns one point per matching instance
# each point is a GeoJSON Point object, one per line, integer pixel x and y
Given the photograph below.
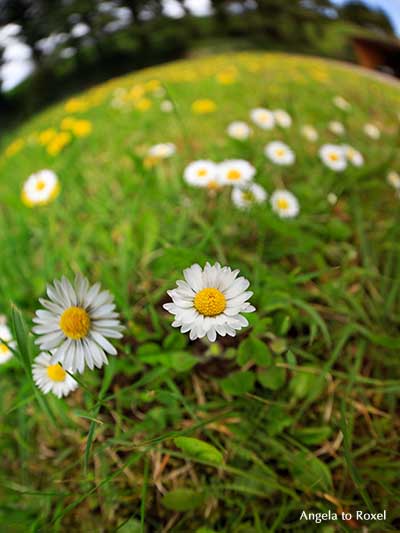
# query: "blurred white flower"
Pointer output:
{"type": "Point", "coordinates": [237, 172]}
{"type": "Point", "coordinates": [333, 157]}
{"type": "Point", "coordinates": [354, 156]}
{"type": "Point", "coordinates": [253, 194]}
{"type": "Point", "coordinates": [5, 335]}
{"type": "Point", "coordinates": [282, 118]}
{"type": "Point", "coordinates": [279, 153]}
{"type": "Point", "coordinates": [332, 198]}
{"type": "Point", "coordinates": [263, 118]}
{"type": "Point", "coordinates": [310, 133]}
{"type": "Point", "coordinates": [336, 127]}
{"type": "Point", "coordinates": [210, 302]}
{"type": "Point", "coordinates": [341, 103]}
{"type": "Point", "coordinates": [239, 130]}
{"type": "Point", "coordinates": [166, 106]}
{"type": "Point", "coordinates": [284, 203]}
{"type": "Point", "coordinates": [202, 173]}
{"type": "Point", "coordinates": [372, 131]}
{"type": "Point", "coordinates": [40, 188]}
{"type": "Point", "coordinates": [393, 178]}
{"type": "Point", "coordinates": [162, 150]}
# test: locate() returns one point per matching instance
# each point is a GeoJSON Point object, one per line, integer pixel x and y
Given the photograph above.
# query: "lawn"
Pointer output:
{"type": "Point", "coordinates": [296, 411]}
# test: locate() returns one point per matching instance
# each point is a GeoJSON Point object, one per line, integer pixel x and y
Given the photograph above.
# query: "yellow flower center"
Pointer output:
{"type": "Point", "coordinates": [280, 152]}
{"type": "Point", "coordinates": [234, 174]}
{"type": "Point", "coordinates": [56, 373]}
{"type": "Point", "coordinates": [3, 348]}
{"type": "Point", "coordinates": [75, 322]}
{"type": "Point", "coordinates": [202, 172]}
{"type": "Point", "coordinates": [248, 196]}
{"type": "Point", "coordinates": [282, 203]}
{"type": "Point", "coordinates": [40, 185]}
{"type": "Point", "coordinates": [210, 302]}
{"type": "Point", "coordinates": [333, 156]}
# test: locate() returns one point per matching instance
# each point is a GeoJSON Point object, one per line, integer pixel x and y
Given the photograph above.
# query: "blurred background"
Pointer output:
{"type": "Point", "coordinates": [52, 48]}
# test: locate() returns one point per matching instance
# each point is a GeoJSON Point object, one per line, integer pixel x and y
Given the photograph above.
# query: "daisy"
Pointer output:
{"type": "Point", "coordinates": [372, 131]}
{"type": "Point", "coordinates": [341, 103]}
{"type": "Point", "coordinates": [285, 203]}
{"type": "Point", "coordinates": [51, 377]}
{"type": "Point", "coordinates": [354, 156]}
{"type": "Point", "coordinates": [336, 127]}
{"type": "Point", "coordinates": [40, 188]}
{"type": "Point", "coordinates": [333, 157]}
{"type": "Point", "coordinates": [209, 302]}
{"type": "Point", "coordinates": [282, 118]}
{"type": "Point", "coordinates": [253, 194]}
{"type": "Point", "coordinates": [6, 336]}
{"type": "Point", "coordinates": [162, 150]}
{"type": "Point", "coordinates": [237, 172]}
{"type": "Point", "coordinates": [166, 106]}
{"type": "Point", "coordinates": [393, 179]}
{"type": "Point", "coordinates": [279, 153]}
{"type": "Point", "coordinates": [310, 133]}
{"type": "Point", "coordinates": [263, 118]}
{"type": "Point", "coordinates": [239, 130]}
{"type": "Point", "coordinates": [75, 323]}
{"type": "Point", "coordinates": [202, 173]}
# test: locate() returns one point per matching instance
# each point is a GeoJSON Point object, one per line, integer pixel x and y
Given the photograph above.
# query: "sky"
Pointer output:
{"type": "Point", "coordinates": [18, 64]}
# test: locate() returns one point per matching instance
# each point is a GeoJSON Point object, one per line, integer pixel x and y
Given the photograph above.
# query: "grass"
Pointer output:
{"type": "Point", "coordinates": [299, 411]}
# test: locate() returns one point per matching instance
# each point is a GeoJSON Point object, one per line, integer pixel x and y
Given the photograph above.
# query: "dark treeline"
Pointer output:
{"type": "Point", "coordinates": [75, 43]}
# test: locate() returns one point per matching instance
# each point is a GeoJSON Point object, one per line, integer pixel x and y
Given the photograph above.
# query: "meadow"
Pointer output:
{"type": "Point", "coordinates": [243, 429]}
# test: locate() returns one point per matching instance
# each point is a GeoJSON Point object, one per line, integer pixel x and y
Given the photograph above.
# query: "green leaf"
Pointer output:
{"type": "Point", "coordinates": [302, 384]}
{"type": "Point", "coordinates": [198, 449]}
{"type": "Point", "coordinates": [272, 378]}
{"type": "Point", "coordinates": [253, 348]}
{"type": "Point", "coordinates": [22, 338]}
{"type": "Point", "coordinates": [182, 500]}
{"type": "Point", "coordinates": [238, 383]}
{"type": "Point", "coordinates": [312, 435]}
{"type": "Point", "coordinates": [310, 473]}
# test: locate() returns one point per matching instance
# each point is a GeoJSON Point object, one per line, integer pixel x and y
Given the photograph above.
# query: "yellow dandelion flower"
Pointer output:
{"type": "Point", "coordinates": [67, 123]}
{"type": "Point", "coordinates": [152, 85]}
{"type": "Point", "coordinates": [82, 128]}
{"type": "Point", "coordinates": [46, 136]}
{"type": "Point", "coordinates": [75, 105]}
{"type": "Point", "coordinates": [58, 143]}
{"type": "Point", "coordinates": [203, 106]}
{"type": "Point", "coordinates": [14, 147]}
{"type": "Point", "coordinates": [226, 77]}
{"type": "Point", "coordinates": [144, 104]}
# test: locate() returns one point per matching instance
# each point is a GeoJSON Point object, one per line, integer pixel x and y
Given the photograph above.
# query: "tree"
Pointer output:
{"type": "Point", "coordinates": [364, 15]}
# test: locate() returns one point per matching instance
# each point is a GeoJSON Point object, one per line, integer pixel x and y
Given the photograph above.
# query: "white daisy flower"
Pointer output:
{"type": "Point", "coordinates": [166, 106]}
{"type": "Point", "coordinates": [285, 204]}
{"type": "Point", "coordinates": [237, 172]}
{"type": "Point", "coordinates": [279, 153]}
{"type": "Point", "coordinates": [40, 188]}
{"type": "Point", "coordinates": [162, 150]}
{"type": "Point", "coordinates": [209, 302]}
{"type": "Point", "coordinates": [76, 322]}
{"type": "Point", "coordinates": [354, 156]}
{"type": "Point", "coordinates": [372, 131]}
{"type": "Point", "coordinates": [238, 130]}
{"type": "Point", "coordinates": [51, 377]}
{"type": "Point", "coordinates": [393, 179]}
{"type": "Point", "coordinates": [341, 103]}
{"type": "Point", "coordinates": [6, 336]}
{"type": "Point", "coordinates": [282, 118]}
{"type": "Point", "coordinates": [336, 127]}
{"type": "Point", "coordinates": [333, 157]}
{"type": "Point", "coordinates": [202, 173]}
{"type": "Point", "coordinates": [253, 194]}
{"type": "Point", "coordinates": [310, 133]}
{"type": "Point", "coordinates": [263, 118]}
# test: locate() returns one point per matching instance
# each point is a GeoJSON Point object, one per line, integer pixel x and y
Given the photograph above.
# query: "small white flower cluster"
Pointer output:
{"type": "Point", "coordinates": [337, 157]}
{"type": "Point", "coordinates": [267, 119]}
{"type": "Point", "coordinates": [239, 173]}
